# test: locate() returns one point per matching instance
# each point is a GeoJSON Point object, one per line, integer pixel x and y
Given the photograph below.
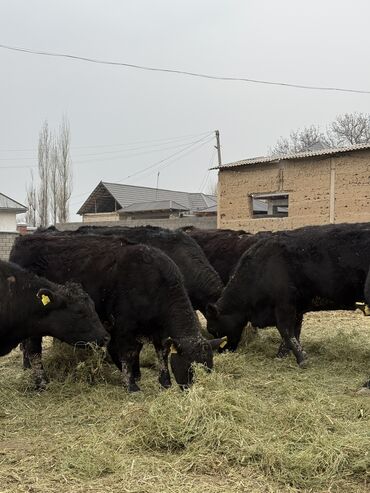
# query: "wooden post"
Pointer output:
{"type": "Point", "coordinates": [218, 147]}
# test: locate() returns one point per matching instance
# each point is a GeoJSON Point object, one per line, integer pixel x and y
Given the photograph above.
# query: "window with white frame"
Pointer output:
{"type": "Point", "coordinates": [269, 205]}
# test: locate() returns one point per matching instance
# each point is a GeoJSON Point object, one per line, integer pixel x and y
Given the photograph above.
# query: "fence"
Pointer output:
{"type": "Point", "coordinates": [172, 223]}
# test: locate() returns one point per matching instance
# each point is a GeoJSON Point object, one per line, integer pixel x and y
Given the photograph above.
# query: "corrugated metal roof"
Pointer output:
{"type": "Point", "coordinates": [8, 204]}
{"type": "Point", "coordinates": [125, 195]}
{"type": "Point", "coordinates": [213, 208]}
{"type": "Point", "coordinates": [159, 205]}
{"type": "Point", "coordinates": [297, 155]}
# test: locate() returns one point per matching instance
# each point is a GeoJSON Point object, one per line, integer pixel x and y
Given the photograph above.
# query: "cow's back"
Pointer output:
{"type": "Point", "coordinates": [329, 263]}
{"type": "Point", "coordinates": [224, 247]}
{"type": "Point", "coordinates": [201, 279]}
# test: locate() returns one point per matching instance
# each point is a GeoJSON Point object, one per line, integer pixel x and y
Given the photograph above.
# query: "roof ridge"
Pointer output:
{"type": "Point", "coordinates": [14, 201]}
{"type": "Point", "coordinates": [295, 155]}
{"type": "Point", "coordinates": [149, 188]}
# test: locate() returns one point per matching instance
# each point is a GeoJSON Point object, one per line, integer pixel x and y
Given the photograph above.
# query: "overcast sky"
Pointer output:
{"type": "Point", "coordinates": [318, 42]}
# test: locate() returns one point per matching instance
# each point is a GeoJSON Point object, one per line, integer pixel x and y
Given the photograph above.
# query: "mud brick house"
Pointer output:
{"type": "Point", "coordinates": [285, 192]}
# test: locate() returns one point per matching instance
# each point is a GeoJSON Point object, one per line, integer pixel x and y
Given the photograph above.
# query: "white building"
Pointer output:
{"type": "Point", "coordinates": [9, 209]}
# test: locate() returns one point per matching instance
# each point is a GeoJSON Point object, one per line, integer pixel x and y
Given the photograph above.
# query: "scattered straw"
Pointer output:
{"type": "Point", "coordinates": [256, 424]}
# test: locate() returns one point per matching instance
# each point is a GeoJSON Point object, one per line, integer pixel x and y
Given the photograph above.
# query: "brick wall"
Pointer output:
{"type": "Point", "coordinates": [6, 243]}
{"type": "Point", "coordinates": [309, 183]}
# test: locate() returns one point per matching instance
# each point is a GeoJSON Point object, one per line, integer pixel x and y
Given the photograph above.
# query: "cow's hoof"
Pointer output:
{"type": "Point", "coordinates": [164, 380]}
{"type": "Point", "coordinates": [282, 353]}
{"type": "Point", "coordinates": [303, 363]}
{"type": "Point", "coordinates": [166, 385]}
{"type": "Point", "coordinates": [41, 385]}
{"type": "Point", "coordinates": [133, 388]}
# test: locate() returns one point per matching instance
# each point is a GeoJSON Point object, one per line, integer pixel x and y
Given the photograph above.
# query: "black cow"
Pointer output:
{"type": "Point", "coordinates": [367, 310]}
{"type": "Point", "coordinates": [279, 279]}
{"type": "Point", "coordinates": [33, 306]}
{"type": "Point", "coordinates": [367, 294]}
{"type": "Point", "coordinates": [136, 288]}
{"type": "Point", "coordinates": [224, 247]}
{"type": "Point", "coordinates": [201, 281]}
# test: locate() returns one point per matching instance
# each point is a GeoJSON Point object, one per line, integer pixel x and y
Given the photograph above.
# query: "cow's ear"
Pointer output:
{"type": "Point", "coordinates": [212, 311]}
{"type": "Point", "coordinates": [218, 343]}
{"type": "Point", "coordinates": [47, 298]}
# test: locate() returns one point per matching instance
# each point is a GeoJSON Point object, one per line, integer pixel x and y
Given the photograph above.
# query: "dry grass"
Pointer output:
{"type": "Point", "coordinates": [255, 425]}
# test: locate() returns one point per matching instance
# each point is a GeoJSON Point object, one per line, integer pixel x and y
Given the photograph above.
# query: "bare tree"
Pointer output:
{"type": "Point", "coordinates": [48, 200]}
{"type": "Point", "coordinates": [43, 190]}
{"type": "Point", "coordinates": [349, 129]}
{"type": "Point", "coordinates": [31, 214]}
{"type": "Point", "coordinates": [308, 138]}
{"type": "Point", "coordinates": [64, 171]}
{"type": "Point", "coordinates": [53, 180]}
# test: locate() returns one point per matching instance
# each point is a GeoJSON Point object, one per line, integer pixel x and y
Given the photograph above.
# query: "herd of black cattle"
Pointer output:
{"type": "Point", "coordinates": [121, 286]}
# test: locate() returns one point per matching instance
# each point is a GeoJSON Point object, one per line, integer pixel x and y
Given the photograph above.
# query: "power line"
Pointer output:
{"type": "Point", "coordinates": [158, 163]}
{"type": "Point", "coordinates": [183, 72]}
{"type": "Point", "coordinates": [17, 167]}
{"type": "Point", "coordinates": [121, 153]}
{"type": "Point", "coordinates": [180, 157]}
{"type": "Point", "coordinates": [149, 143]}
{"type": "Point", "coordinates": [166, 159]}
{"type": "Point", "coordinates": [207, 172]}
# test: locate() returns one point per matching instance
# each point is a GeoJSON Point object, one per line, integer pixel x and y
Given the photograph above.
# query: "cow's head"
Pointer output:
{"type": "Point", "coordinates": [68, 313]}
{"type": "Point", "coordinates": [186, 351]}
{"type": "Point", "coordinates": [230, 325]}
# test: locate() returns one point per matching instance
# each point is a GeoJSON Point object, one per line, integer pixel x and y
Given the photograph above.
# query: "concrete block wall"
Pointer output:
{"type": "Point", "coordinates": [309, 183]}
{"type": "Point", "coordinates": [100, 217]}
{"type": "Point", "coordinates": [6, 243]}
{"type": "Point", "coordinates": [178, 222]}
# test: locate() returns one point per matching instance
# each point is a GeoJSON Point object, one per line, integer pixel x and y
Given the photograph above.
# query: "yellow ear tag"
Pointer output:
{"type": "Point", "coordinates": [173, 349]}
{"type": "Point", "coordinates": [45, 300]}
{"type": "Point", "coordinates": [364, 308]}
{"type": "Point", "coordinates": [224, 342]}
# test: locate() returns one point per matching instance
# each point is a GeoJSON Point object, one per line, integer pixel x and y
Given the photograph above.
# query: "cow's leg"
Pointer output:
{"type": "Point", "coordinates": [164, 373]}
{"type": "Point", "coordinates": [124, 352]}
{"type": "Point", "coordinates": [26, 359]}
{"type": "Point", "coordinates": [283, 350]}
{"type": "Point", "coordinates": [128, 362]}
{"type": "Point", "coordinates": [32, 358]}
{"type": "Point", "coordinates": [136, 365]}
{"type": "Point", "coordinates": [286, 318]}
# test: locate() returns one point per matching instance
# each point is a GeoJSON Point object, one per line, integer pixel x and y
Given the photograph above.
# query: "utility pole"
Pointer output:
{"type": "Point", "coordinates": [218, 147]}
{"type": "Point", "coordinates": [156, 193]}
